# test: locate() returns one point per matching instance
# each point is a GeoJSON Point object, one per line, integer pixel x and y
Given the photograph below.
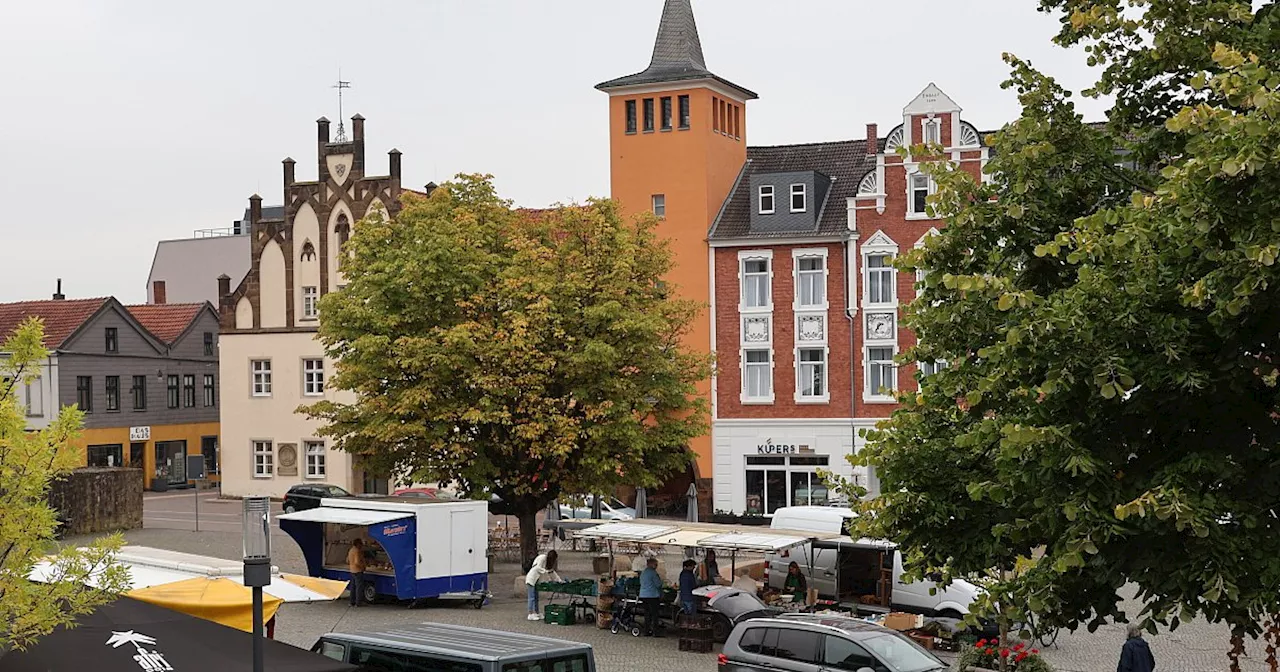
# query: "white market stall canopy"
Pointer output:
{"type": "Point", "coordinates": [703, 535]}
{"type": "Point", "coordinates": [762, 542]}
{"type": "Point", "coordinates": [325, 514]}
{"type": "Point", "coordinates": [627, 532]}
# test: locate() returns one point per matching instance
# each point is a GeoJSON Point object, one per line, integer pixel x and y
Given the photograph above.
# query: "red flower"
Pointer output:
{"type": "Point", "coordinates": [1004, 653]}
{"type": "Point", "coordinates": [1019, 646]}
{"type": "Point", "coordinates": [1035, 651]}
{"type": "Point", "coordinates": [1018, 658]}
{"type": "Point", "coordinates": [981, 643]}
{"type": "Point", "coordinates": [990, 652]}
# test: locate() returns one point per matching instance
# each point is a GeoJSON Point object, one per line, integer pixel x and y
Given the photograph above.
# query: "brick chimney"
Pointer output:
{"type": "Point", "coordinates": [873, 139]}
{"type": "Point", "coordinates": [157, 292]}
{"type": "Point", "coordinates": [289, 166]}
{"type": "Point", "coordinates": [224, 293]}
{"type": "Point", "coordinates": [58, 295]}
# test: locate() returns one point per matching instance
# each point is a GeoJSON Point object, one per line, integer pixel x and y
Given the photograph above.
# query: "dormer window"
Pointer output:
{"type": "Point", "coordinates": [919, 193]}
{"type": "Point", "coordinates": [766, 199]}
{"type": "Point", "coordinates": [799, 198]}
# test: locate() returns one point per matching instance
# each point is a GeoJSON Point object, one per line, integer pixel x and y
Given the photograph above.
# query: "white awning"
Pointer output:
{"type": "Point", "coordinates": [752, 541]}
{"type": "Point", "coordinates": [627, 532]}
{"type": "Point", "coordinates": [325, 514]}
{"type": "Point", "coordinates": [684, 538]}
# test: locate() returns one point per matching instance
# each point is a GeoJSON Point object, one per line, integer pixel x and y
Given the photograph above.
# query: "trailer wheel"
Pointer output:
{"type": "Point", "coordinates": [370, 593]}
{"type": "Point", "coordinates": [478, 604]}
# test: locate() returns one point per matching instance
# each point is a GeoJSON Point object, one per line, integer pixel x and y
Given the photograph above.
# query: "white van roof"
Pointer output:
{"type": "Point", "coordinates": [830, 519]}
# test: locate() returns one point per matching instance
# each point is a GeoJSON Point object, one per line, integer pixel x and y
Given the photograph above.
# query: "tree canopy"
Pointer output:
{"type": "Point", "coordinates": [29, 462]}
{"type": "Point", "coordinates": [1111, 405]}
{"type": "Point", "coordinates": [516, 353]}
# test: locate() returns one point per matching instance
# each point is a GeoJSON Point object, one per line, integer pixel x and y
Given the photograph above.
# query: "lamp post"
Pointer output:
{"type": "Point", "coordinates": [257, 563]}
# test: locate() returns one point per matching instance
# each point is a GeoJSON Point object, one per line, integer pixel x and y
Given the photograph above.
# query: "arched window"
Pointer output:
{"type": "Point", "coordinates": [343, 229]}
{"type": "Point", "coordinates": [308, 251]}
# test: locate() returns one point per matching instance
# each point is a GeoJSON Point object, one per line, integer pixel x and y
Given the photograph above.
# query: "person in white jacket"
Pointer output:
{"type": "Point", "coordinates": [543, 565]}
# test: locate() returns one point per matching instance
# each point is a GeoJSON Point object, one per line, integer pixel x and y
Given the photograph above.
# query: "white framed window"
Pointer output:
{"type": "Point", "coordinates": [881, 279]}
{"type": "Point", "coordinates": [932, 131]}
{"type": "Point", "coordinates": [811, 281]}
{"type": "Point", "coordinates": [264, 459]}
{"type": "Point", "coordinates": [882, 375]}
{"type": "Point", "coordinates": [757, 375]}
{"type": "Point", "coordinates": [313, 377]}
{"type": "Point", "coordinates": [660, 205]}
{"type": "Point", "coordinates": [766, 199]}
{"type": "Point", "coordinates": [315, 458]}
{"type": "Point", "coordinates": [755, 282]}
{"type": "Point", "coordinates": [929, 368]}
{"type": "Point", "coordinates": [811, 374]}
{"type": "Point", "coordinates": [919, 193]}
{"type": "Point", "coordinates": [261, 369]}
{"type": "Point", "coordinates": [310, 303]}
{"type": "Point", "coordinates": [799, 198]}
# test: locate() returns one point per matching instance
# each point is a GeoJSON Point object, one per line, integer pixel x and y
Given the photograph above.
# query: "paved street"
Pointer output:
{"type": "Point", "coordinates": [1196, 647]}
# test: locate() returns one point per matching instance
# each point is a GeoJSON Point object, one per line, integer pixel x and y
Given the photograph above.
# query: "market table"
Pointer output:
{"type": "Point", "coordinates": [580, 592]}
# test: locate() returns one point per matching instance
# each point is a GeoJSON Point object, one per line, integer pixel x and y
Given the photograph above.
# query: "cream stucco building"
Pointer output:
{"type": "Point", "coordinates": [270, 361]}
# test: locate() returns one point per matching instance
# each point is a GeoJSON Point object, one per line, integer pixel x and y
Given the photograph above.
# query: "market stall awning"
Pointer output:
{"type": "Point", "coordinates": [761, 542]}
{"type": "Point", "coordinates": [683, 538]}
{"type": "Point", "coordinates": [327, 514]}
{"type": "Point", "coordinates": [627, 532]}
{"type": "Point", "coordinates": [132, 636]}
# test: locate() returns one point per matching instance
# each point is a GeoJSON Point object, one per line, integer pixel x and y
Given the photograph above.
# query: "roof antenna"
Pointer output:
{"type": "Point", "coordinates": [342, 131]}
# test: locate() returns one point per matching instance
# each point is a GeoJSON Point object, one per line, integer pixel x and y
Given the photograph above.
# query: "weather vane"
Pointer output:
{"type": "Point", "coordinates": [342, 131]}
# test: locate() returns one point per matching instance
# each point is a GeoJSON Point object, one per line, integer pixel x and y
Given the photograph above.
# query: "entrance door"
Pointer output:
{"type": "Point", "coordinates": [209, 448]}
{"type": "Point", "coordinates": [461, 550]}
{"type": "Point", "coordinates": [137, 450]}
{"type": "Point", "coordinates": [172, 457]}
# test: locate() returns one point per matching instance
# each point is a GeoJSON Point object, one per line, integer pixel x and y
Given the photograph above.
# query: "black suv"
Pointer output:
{"type": "Point", "coordinates": [308, 496]}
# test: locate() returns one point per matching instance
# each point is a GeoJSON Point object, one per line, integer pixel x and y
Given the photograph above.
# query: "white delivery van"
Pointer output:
{"type": "Point", "coordinates": [865, 574]}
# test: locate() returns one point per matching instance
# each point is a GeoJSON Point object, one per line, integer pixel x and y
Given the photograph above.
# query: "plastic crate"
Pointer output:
{"type": "Point", "coordinates": [558, 614]}
{"type": "Point", "coordinates": [696, 645]}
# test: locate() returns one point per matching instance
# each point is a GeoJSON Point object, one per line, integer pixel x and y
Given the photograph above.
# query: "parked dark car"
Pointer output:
{"type": "Point", "coordinates": [818, 642]}
{"type": "Point", "coordinates": [308, 496]}
{"type": "Point", "coordinates": [729, 606]}
{"type": "Point", "coordinates": [455, 648]}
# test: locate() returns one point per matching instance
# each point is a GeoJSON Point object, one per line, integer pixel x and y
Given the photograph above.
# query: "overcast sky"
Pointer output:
{"type": "Point", "coordinates": [126, 123]}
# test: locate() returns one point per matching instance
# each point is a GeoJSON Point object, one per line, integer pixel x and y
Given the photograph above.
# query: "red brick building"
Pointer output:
{"type": "Point", "coordinates": [805, 301]}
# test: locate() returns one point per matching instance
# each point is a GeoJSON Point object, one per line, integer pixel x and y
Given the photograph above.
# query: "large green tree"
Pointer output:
{"type": "Point", "coordinates": [1112, 398]}
{"type": "Point", "coordinates": [29, 462]}
{"type": "Point", "coordinates": [516, 353]}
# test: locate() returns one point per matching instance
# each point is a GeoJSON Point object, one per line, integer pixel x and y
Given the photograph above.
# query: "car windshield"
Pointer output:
{"type": "Point", "coordinates": [335, 491]}
{"type": "Point", "coordinates": [901, 654]}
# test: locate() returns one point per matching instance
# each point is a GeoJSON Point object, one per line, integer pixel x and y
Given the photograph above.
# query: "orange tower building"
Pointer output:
{"type": "Point", "coordinates": [677, 143]}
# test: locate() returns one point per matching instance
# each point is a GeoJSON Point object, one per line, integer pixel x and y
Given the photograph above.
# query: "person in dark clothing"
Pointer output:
{"type": "Point", "coordinates": [651, 596]}
{"type": "Point", "coordinates": [1136, 655]}
{"type": "Point", "coordinates": [796, 585]}
{"type": "Point", "coordinates": [688, 581]}
{"type": "Point", "coordinates": [709, 570]}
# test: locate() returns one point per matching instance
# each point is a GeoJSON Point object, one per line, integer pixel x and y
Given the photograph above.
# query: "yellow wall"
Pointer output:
{"type": "Point", "coordinates": [191, 433]}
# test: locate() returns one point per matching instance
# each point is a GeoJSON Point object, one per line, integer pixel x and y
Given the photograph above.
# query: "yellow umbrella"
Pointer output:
{"type": "Point", "coordinates": [215, 599]}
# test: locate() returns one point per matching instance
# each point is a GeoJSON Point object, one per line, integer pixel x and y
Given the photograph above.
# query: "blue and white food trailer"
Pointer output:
{"type": "Point", "coordinates": [415, 550]}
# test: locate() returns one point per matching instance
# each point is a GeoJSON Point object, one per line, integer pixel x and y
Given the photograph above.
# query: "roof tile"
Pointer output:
{"type": "Point", "coordinates": [166, 321]}
{"type": "Point", "coordinates": [61, 317]}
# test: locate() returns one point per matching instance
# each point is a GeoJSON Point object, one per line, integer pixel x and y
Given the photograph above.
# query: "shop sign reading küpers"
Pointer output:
{"type": "Point", "coordinates": [771, 448]}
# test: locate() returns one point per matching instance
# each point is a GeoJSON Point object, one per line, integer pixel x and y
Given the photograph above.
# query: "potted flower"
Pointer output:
{"type": "Point", "coordinates": [160, 483]}
{"type": "Point", "coordinates": [986, 655]}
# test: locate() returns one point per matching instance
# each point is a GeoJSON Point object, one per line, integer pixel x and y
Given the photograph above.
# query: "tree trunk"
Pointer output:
{"type": "Point", "coordinates": [528, 538]}
{"type": "Point", "coordinates": [1272, 637]}
{"type": "Point", "coordinates": [1237, 648]}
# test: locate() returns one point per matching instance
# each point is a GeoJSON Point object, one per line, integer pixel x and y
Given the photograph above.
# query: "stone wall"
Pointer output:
{"type": "Point", "coordinates": [98, 499]}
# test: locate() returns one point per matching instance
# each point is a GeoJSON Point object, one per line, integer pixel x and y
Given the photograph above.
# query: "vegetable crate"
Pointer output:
{"type": "Point", "coordinates": [558, 614]}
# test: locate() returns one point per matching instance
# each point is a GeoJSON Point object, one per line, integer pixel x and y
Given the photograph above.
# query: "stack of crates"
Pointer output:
{"type": "Point", "coordinates": [696, 633]}
{"type": "Point", "coordinates": [558, 614]}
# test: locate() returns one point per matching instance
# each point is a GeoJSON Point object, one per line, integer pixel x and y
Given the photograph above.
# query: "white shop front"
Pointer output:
{"type": "Point", "coordinates": [760, 467]}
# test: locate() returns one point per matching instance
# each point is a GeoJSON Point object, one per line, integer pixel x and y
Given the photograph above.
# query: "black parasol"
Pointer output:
{"type": "Point", "coordinates": [132, 636]}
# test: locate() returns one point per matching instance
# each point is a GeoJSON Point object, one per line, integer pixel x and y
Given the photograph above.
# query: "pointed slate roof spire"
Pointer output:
{"type": "Point", "coordinates": [677, 53]}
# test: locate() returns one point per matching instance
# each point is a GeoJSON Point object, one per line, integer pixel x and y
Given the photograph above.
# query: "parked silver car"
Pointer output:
{"type": "Point", "coordinates": [817, 642]}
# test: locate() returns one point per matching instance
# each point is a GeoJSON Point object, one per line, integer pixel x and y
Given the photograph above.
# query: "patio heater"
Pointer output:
{"type": "Point", "coordinates": [257, 564]}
